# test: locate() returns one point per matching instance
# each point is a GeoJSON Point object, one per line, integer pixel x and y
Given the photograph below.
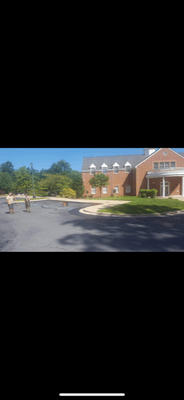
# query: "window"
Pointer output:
{"type": "Point", "coordinates": [92, 169]}
{"type": "Point", "coordinates": [128, 189]}
{"type": "Point", "coordinates": [116, 188]}
{"type": "Point", "coordinates": [173, 164]}
{"type": "Point", "coordinates": [164, 165]}
{"type": "Point", "coordinates": [104, 168]}
{"type": "Point", "coordinates": [116, 168]}
{"type": "Point", "coordinates": [127, 168]}
{"type": "Point", "coordinates": [155, 165]}
{"type": "Point", "coordinates": [93, 190]}
{"type": "Point", "coordinates": [104, 190]}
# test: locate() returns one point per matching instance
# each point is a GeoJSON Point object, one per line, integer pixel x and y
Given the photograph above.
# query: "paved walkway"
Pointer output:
{"type": "Point", "coordinates": [96, 205]}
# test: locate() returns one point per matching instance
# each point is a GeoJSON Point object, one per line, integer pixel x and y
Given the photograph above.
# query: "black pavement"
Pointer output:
{"type": "Point", "coordinates": [52, 227]}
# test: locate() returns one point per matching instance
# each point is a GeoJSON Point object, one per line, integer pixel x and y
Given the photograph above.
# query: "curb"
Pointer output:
{"type": "Point", "coordinates": [170, 213]}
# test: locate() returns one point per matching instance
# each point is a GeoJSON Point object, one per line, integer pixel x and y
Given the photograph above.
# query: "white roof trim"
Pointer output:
{"type": "Point", "coordinates": [115, 164]}
{"type": "Point", "coordinates": [152, 154]}
{"type": "Point", "coordinates": [92, 166]}
{"type": "Point", "coordinates": [175, 152]}
{"type": "Point", "coordinates": [157, 152]}
{"type": "Point", "coordinates": [127, 164]}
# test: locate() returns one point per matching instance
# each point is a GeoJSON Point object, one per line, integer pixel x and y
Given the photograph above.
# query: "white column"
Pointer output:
{"type": "Point", "coordinates": [147, 183]}
{"type": "Point", "coordinates": [183, 186]}
{"type": "Point", "coordinates": [163, 183]}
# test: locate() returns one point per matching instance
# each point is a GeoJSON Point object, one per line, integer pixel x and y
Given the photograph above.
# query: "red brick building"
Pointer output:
{"type": "Point", "coordinates": [161, 169]}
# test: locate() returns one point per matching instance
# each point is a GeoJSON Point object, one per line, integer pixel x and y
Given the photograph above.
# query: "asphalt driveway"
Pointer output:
{"type": "Point", "coordinates": [52, 227]}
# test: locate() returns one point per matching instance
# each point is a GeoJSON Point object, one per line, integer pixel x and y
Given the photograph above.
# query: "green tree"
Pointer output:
{"type": "Point", "coordinates": [61, 167]}
{"type": "Point", "coordinates": [6, 182]}
{"type": "Point", "coordinates": [54, 183]}
{"type": "Point", "coordinates": [77, 183]}
{"type": "Point", "coordinates": [7, 167]}
{"type": "Point", "coordinates": [99, 180]}
{"type": "Point", "coordinates": [22, 180]}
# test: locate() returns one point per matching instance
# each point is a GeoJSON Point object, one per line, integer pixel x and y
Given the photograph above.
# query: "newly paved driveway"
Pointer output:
{"type": "Point", "coordinates": [52, 227]}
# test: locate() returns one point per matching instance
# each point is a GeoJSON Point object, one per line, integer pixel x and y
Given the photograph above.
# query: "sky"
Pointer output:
{"type": "Point", "coordinates": [45, 157]}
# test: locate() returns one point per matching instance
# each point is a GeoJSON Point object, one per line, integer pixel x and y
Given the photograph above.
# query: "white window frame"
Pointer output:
{"type": "Point", "coordinates": [127, 167]}
{"type": "Point", "coordinates": [173, 162]}
{"type": "Point", "coordinates": [104, 190]}
{"type": "Point", "coordinates": [116, 165]}
{"type": "Point", "coordinates": [166, 184]}
{"type": "Point", "coordinates": [164, 167]}
{"type": "Point", "coordinates": [92, 169]}
{"type": "Point", "coordinates": [116, 188]}
{"type": "Point", "coordinates": [128, 190]}
{"type": "Point", "coordinates": [104, 166]}
{"type": "Point", "coordinates": [154, 165]}
{"type": "Point", "coordinates": [93, 190]}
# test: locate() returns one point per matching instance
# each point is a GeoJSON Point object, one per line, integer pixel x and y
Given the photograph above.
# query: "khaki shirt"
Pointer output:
{"type": "Point", "coordinates": [10, 199]}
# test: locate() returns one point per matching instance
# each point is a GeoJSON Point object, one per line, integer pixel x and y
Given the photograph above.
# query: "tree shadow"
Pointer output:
{"type": "Point", "coordinates": [102, 235]}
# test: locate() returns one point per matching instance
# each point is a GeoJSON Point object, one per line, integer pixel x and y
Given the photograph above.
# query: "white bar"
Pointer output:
{"type": "Point", "coordinates": [91, 394]}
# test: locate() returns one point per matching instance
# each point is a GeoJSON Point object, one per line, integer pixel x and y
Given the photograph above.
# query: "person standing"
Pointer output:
{"type": "Point", "coordinates": [9, 200]}
{"type": "Point", "coordinates": [27, 202]}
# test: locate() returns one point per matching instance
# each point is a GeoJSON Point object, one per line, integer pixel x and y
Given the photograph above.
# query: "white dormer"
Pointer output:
{"type": "Point", "coordinates": [104, 168]}
{"type": "Point", "coordinates": [128, 167]}
{"type": "Point", "coordinates": [92, 169]}
{"type": "Point", "coordinates": [116, 167]}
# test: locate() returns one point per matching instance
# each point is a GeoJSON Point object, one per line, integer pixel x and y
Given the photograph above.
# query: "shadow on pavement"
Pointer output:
{"type": "Point", "coordinates": [98, 235]}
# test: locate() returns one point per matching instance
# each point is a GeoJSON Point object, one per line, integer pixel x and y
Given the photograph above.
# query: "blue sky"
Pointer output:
{"type": "Point", "coordinates": [45, 157]}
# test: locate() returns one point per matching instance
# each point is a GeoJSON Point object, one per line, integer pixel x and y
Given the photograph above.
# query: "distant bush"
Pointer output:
{"type": "Point", "coordinates": [148, 193]}
{"type": "Point", "coordinates": [68, 193]}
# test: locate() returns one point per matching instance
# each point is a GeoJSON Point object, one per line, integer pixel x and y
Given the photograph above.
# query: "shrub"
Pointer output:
{"type": "Point", "coordinates": [68, 193]}
{"type": "Point", "coordinates": [148, 193]}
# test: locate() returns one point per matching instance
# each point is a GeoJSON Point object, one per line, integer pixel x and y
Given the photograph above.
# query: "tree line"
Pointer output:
{"type": "Point", "coordinates": [58, 179]}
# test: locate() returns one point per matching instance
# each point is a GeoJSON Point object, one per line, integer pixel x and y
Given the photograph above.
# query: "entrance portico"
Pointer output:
{"type": "Point", "coordinates": [164, 184]}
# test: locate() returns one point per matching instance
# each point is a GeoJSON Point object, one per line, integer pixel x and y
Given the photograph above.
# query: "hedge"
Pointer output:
{"type": "Point", "coordinates": [148, 193]}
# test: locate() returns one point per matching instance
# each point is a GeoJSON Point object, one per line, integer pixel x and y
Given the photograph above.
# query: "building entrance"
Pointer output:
{"type": "Point", "coordinates": [167, 190]}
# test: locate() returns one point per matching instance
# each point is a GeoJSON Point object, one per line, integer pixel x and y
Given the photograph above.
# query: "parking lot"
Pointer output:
{"type": "Point", "coordinates": [52, 227]}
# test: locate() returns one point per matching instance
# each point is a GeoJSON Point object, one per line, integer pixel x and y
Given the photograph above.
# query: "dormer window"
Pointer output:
{"type": "Point", "coordinates": [127, 167]}
{"type": "Point", "coordinates": [116, 168]}
{"type": "Point", "coordinates": [104, 168]}
{"type": "Point", "coordinates": [92, 169]}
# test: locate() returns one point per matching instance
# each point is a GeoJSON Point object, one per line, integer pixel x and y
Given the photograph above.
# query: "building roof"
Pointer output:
{"type": "Point", "coordinates": [111, 160]}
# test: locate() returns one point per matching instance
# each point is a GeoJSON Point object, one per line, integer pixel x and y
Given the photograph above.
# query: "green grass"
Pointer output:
{"type": "Point", "coordinates": [138, 205]}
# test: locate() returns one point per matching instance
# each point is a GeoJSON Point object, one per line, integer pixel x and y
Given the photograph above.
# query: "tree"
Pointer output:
{"type": "Point", "coordinates": [99, 180]}
{"type": "Point", "coordinates": [22, 180]}
{"type": "Point", "coordinates": [77, 183]}
{"type": "Point", "coordinates": [54, 183]}
{"type": "Point", "coordinates": [61, 167]}
{"type": "Point", "coordinates": [7, 167]}
{"type": "Point", "coordinates": [6, 182]}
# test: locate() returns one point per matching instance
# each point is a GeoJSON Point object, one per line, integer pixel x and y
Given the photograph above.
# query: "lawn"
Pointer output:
{"type": "Point", "coordinates": [138, 205]}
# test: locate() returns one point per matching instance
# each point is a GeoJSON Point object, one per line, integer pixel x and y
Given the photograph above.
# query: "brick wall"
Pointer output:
{"type": "Point", "coordinates": [141, 171]}
{"type": "Point", "coordinates": [122, 179]}
{"type": "Point", "coordinates": [137, 177]}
